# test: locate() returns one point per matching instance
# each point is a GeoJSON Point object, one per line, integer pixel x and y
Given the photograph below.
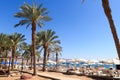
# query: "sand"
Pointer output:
{"type": "Point", "coordinates": [18, 78]}
{"type": "Point", "coordinates": [57, 75]}
{"type": "Point", "coordinates": [62, 76]}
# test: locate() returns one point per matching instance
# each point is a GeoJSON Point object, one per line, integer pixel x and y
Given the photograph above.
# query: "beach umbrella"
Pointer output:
{"type": "Point", "coordinates": [92, 61]}
{"type": "Point", "coordinates": [102, 60]}
{"type": "Point", "coordinates": [61, 60]}
{"type": "Point", "coordinates": [71, 60]}
{"type": "Point", "coordinates": [82, 60]}
{"type": "Point", "coordinates": [51, 62]}
{"type": "Point", "coordinates": [108, 63]}
{"type": "Point", "coordinates": [111, 61]}
{"type": "Point", "coordinates": [114, 61]}
{"type": "Point", "coordinates": [77, 60]}
{"type": "Point", "coordinates": [39, 62]}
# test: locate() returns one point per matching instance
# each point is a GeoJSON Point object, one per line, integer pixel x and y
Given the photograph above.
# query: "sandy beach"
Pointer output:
{"type": "Point", "coordinates": [18, 78]}
{"type": "Point", "coordinates": [63, 76]}
{"type": "Point", "coordinates": [58, 76]}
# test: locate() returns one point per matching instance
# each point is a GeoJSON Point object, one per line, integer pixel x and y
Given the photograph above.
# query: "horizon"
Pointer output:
{"type": "Point", "coordinates": [82, 28]}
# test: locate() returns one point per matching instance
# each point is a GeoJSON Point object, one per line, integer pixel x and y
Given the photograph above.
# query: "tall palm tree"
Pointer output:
{"type": "Point", "coordinates": [3, 44]}
{"type": "Point", "coordinates": [57, 50]}
{"type": "Point", "coordinates": [45, 39]}
{"type": "Point", "coordinates": [7, 45]}
{"type": "Point", "coordinates": [32, 15]}
{"type": "Point", "coordinates": [16, 39]}
{"type": "Point", "coordinates": [2, 40]}
{"type": "Point", "coordinates": [107, 11]}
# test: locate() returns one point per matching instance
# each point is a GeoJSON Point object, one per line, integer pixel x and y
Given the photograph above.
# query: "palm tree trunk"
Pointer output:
{"type": "Point", "coordinates": [27, 60]}
{"type": "Point", "coordinates": [48, 55]}
{"type": "Point", "coordinates": [107, 10]}
{"type": "Point", "coordinates": [0, 51]}
{"type": "Point", "coordinates": [13, 56]}
{"type": "Point", "coordinates": [34, 45]}
{"type": "Point", "coordinates": [16, 58]}
{"type": "Point", "coordinates": [56, 59]}
{"type": "Point", "coordinates": [6, 58]}
{"type": "Point", "coordinates": [0, 56]}
{"type": "Point", "coordinates": [44, 61]}
{"type": "Point", "coordinates": [31, 60]}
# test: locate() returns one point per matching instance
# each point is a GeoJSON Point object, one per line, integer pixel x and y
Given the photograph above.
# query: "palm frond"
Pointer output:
{"type": "Point", "coordinates": [23, 22]}
{"type": "Point", "coordinates": [46, 18]}
{"type": "Point", "coordinates": [39, 6]}
{"type": "Point", "coordinates": [32, 13]}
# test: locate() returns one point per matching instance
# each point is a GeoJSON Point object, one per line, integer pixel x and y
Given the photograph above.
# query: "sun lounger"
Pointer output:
{"type": "Point", "coordinates": [4, 72]}
{"type": "Point", "coordinates": [70, 71]}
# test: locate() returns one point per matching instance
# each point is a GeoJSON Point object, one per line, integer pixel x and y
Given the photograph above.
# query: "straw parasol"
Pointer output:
{"type": "Point", "coordinates": [61, 60]}
{"type": "Point", "coordinates": [93, 61]}
{"type": "Point", "coordinates": [51, 62]}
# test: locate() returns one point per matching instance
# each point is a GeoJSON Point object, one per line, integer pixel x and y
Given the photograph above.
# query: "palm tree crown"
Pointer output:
{"type": "Point", "coordinates": [31, 14]}
{"type": "Point", "coordinates": [46, 38]}
{"type": "Point", "coordinates": [17, 38]}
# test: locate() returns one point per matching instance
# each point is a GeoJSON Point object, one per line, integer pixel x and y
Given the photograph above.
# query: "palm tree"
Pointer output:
{"type": "Point", "coordinates": [2, 40]}
{"type": "Point", "coordinates": [7, 45]}
{"type": "Point", "coordinates": [57, 50]}
{"type": "Point", "coordinates": [17, 55]}
{"type": "Point", "coordinates": [16, 39]}
{"type": "Point", "coordinates": [38, 55]}
{"type": "Point", "coordinates": [27, 55]}
{"type": "Point", "coordinates": [28, 52]}
{"type": "Point", "coordinates": [49, 51]}
{"type": "Point", "coordinates": [27, 49]}
{"type": "Point", "coordinates": [107, 11]}
{"type": "Point", "coordinates": [32, 15]}
{"type": "Point", "coordinates": [45, 39]}
{"type": "Point", "coordinates": [3, 45]}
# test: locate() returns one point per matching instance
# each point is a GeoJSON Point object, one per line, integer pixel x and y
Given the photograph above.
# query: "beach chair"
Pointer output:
{"type": "Point", "coordinates": [4, 72]}
{"type": "Point", "coordinates": [71, 70]}
{"type": "Point", "coordinates": [105, 72]}
{"type": "Point", "coordinates": [82, 70]}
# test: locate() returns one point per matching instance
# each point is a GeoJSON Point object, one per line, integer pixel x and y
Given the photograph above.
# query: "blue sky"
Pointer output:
{"type": "Point", "coordinates": [82, 28]}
